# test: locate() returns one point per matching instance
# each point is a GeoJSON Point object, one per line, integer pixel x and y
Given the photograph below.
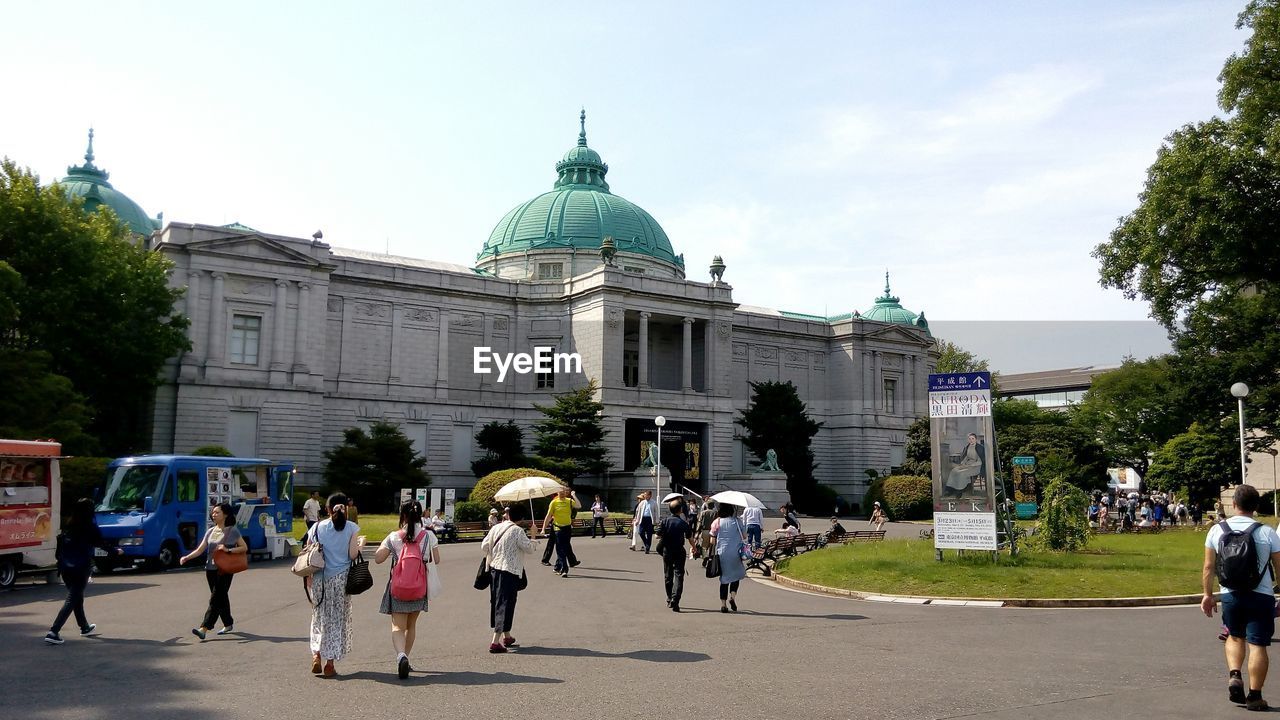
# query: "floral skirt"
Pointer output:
{"type": "Point", "coordinates": [331, 617]}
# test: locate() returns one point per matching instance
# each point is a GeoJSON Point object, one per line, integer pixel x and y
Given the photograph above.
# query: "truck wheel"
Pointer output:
{"type": "Point", "coordinates": [168, 557]}
{"type": "Point", "coordinates": [8, 572]}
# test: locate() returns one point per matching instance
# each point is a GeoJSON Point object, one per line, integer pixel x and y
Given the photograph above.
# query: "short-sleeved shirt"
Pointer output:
{"type": "Point", "coordinates": [1264, 538]}
{"type": "Point", "coordinates": [394, 542]}
{"type": "Point", "coordinates": [336, 544]}
{"type": "Point", "coordinates": [311, 510]}
{"type": "Point", "coordinates": [599, 510]}
{"type": "Point", "coordinates": [562, 511]}
{"type": "Point", "coordinates": [674, 530]}
{"type": "Point", "coordinates": [216, 537]}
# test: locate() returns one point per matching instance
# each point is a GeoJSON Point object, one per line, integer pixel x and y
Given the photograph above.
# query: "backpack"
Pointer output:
{"type": "Point", "coordinates": [1238, 558]}
{"type": "Point", "coordinates": [409, 576]}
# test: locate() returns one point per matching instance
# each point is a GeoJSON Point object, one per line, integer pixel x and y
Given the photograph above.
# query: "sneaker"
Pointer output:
{"type": "Point", "coordinates": [87, 630]}
{"type": "Point", "coordinates": [199, 632]}
{"type": "Point", "coordinates": [402, 667]}
{"type": "Point", "coordinates": [1257, 704]}
{"type": "Point", "coordinates": [53, 638]}
{"type": "Point", "coordinates": [724, 609]}
{"type": "Point", "coordinates": [733, 605]}
{"type": "Point", "coordinates": [544, 562]}
{"type": "Point", "coordinates": [495, 648]}
{"type": "Point", "coordinates": [509, 642]}
{"type": "Point", "coordinates": [574, 563]}
{"type": "Point", "coordinates": [226, 629]}
{"type": "Point", "coordinates": [1235, 689]}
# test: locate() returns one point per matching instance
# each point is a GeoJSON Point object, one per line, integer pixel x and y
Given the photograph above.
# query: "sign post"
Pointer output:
{"type": "Point", "coordinates": [962, 442]}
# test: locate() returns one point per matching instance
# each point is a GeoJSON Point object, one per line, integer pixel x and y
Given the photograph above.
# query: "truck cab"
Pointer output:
{"type": "Point", "coordinates": [156, 507]}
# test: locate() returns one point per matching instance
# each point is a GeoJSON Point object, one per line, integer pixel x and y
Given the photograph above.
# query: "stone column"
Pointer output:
{"type": "Point", "coordinates": [909, 392]}
{"type": "Point", "coordinates": [397, 339]}
{"type": "Point", "coordinates": [217, 323]}
{"type": "Point", "coordinates": [644, 349]}
{"type": "Point", "coordinates": [278, 365]}
{"type": "Point", "coordinates": [866, 382]}
{"type": "Point", "coordinates": [442, 371]}
{"type": "Point", "coordinates": [193, 357]}
{"type": "Point", "coordinates": [708, 356]}
{"type": "Point", "coordinates": [686, 370]}
{"type": "Point", "coordinates": [301, 373]}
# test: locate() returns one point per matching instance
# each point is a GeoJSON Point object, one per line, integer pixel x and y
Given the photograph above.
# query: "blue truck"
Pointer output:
{"type": "Point", "coordinates": [156, 507]}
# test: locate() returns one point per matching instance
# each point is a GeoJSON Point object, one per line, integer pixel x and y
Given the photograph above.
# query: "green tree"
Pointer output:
{"type": "Point", "coordinates": [954, 359]}
{"type": "Point", "coordinates": [570, 437]}
{"type": "Point", "coordinates": [919, 450]}
{"type": "Point", "coordinates": [1023, 428]}
{"type": "Point", "coordinates": [372, 468]}
{"type": "Point", "coordinates": [1064, 523]}
{"type": "Point", "coordinates": [98, 303]}
{"type": "Point", "coordinates": [504, 448]}
{"type": "Point", "coordinates": [1133, 411]}
{"type": "Point", "coordinates": [37, 403]}
{"type": "Point", "coordinates": [908, 497]}
{"type": "Point", "coordinates": [1201, 461]}
{"type": "Point", "coordinates": [778, 420]}
{"type": "Point", "coordinates": [1200, 247]}
{"type": "Point", "coordinates": [212, 451]}
{"type": "Point", "coordinates": [487, 486]}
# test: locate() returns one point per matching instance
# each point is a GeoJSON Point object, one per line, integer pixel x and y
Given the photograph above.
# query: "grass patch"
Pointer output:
{"type": "Point", "coordinates": [373, 527]}
{"type": "Point", "coordinates": [1123, 565]}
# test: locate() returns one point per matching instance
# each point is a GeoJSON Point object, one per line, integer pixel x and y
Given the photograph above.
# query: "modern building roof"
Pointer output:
{"type": "Point", "coordinates": [1068, 379]}
{"type": "Point", "coordinates": [90, 182]}
{"type": "Point", "coordinates": [579, 212]}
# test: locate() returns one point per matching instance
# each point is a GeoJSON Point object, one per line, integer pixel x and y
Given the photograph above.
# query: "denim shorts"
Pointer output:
{"type": "Point", "coordinates": [1250, 615]}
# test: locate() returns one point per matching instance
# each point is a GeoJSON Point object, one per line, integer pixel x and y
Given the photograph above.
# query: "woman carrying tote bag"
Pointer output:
{"type": "Point", "coordinates": [505, 548]}
{"type": "Point", "coordinates": [331, 614]}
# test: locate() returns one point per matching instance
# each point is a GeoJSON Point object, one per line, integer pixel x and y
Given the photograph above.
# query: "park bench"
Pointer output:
{"type": "Point", "coordinates": [864, 536]}
{"type": "Point", "coordinates": [764, 557]}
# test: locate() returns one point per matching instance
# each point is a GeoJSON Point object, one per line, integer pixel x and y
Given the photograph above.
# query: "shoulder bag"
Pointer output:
{"type": "Point", "coordinates": [311, 560]}
{"type": "Point", "coordinates": [434, 588]}
{"type": "Point", "coordinates": [359, 578]}
{"type": "Point", "coordinates": [483, 578]}
{"type": "Point", "coordinates": [229, 563]}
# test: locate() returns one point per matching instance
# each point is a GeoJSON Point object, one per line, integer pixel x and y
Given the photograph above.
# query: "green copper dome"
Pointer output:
{"type": "Point", "coordinates": [89, 182]}
{"type": "Point", "coordinates": [579, 212]}
{"type": "Point", "coordinates": [888, 310]}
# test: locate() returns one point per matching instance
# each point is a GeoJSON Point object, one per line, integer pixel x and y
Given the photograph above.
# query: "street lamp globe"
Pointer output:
{"type": "Point", "coordinates": [660, 421]}
{"type": "Point", "coordinates": [1240, 390]}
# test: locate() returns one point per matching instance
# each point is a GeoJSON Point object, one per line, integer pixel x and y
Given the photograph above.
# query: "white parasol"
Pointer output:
{"type": "Point", "coordinates": [528, 488]}
{"type": "Point", "coordinates": [735, 497]}
{"type": "Point", "coordinates": [672, 496]}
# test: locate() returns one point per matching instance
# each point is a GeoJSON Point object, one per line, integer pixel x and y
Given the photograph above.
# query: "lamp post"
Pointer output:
{"type": "Point", "coordinates": [657, 471]}
{"type": "Point", "coordinates": [1241, 391]}
{"type": "Point", "coordinates": [1274, 486]}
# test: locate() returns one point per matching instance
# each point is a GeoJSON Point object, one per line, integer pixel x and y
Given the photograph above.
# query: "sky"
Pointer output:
{"type": "Point", "coordinates": [976, 151]}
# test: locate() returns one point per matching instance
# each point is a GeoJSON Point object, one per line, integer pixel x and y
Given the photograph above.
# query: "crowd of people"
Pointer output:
{"type": "Point", "coordinates": [1122, 512]}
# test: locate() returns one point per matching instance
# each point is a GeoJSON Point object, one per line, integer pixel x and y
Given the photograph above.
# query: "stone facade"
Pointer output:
{"type": "Point", "coordinates": [293, 341]}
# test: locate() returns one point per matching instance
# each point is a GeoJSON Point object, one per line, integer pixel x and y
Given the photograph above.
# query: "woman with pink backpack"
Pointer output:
{"type": "Point", "coordinates": [412, 548]}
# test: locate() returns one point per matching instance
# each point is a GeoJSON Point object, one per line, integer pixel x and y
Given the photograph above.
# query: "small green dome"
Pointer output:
{"type": "Point", "coordinates": [579, 212]}
{"type": "Point", "coordinates": [90, 182]}
{"type": "Point", "coordinates": [888, 310]}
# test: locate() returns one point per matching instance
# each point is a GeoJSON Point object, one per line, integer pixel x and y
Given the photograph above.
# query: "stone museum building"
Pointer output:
{"type": "Point", "coordinates": [293, 341]}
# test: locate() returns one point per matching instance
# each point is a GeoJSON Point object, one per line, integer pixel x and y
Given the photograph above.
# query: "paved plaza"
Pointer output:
{"type": "Point", "coordinates": [602, 643]}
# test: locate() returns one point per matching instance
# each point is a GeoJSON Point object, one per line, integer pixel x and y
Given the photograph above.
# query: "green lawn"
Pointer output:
{"type": "Point", "coordinates": [1125, 565]}
{"type": "Point", "coordinates": [373, 527]}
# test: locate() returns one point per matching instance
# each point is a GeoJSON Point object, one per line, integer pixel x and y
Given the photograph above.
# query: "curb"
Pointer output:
{"type": "Point", "coordinates": [1131, 602]}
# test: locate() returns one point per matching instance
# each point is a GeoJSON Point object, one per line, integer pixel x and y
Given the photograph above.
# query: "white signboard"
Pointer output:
{"type": "Point", "coordinates": [964, 531]}
{"type": "Point", "coordinates": [960, 395]}
{"type": "Point", "coordinates": [406, 495]}
{"type": "Point", "coordinates": [421, 496]}
{"type": "Point", "coordinates": [450, 496]}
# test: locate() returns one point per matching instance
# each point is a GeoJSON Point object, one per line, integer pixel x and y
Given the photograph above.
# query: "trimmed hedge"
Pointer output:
{"type": "Point", "coordinates": [490, 484]}
{"type": "Point", "coordinates": [908, 497]}
{"type": "Point", "coordinates": [470, 511]}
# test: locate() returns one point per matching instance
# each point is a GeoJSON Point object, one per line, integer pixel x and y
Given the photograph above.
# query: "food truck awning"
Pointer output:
{"type": "Point", "coordinates": [30, 448]}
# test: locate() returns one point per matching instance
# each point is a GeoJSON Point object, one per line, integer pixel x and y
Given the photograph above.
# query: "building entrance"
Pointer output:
{"type": "Point", "coordinates": [683, 450]}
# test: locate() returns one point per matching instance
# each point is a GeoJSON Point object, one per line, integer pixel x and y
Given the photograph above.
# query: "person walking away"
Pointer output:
{"type": "Point", "coordinates": [599, 511]}
{"type": "Point", "coordinates": [505, 546]}
{"type": "Point", "coordinates": [706, 518]}
{"type": "Point", "coordinates": [222, 536]}
{"type": "Point", "coordinates": [673, 533]}
{"type": "Point", "coordinates": [1242, 552]}
{"type": "Point", "coordinates": [728, 535]}
{"type": "Point", "coordinates": [409, 547]}
{"type": "Point", "coordinates": [753, 518]}
{"type": "Point", "coordinates": [560, 512]}
{"type": "Point", "coordinates": [311, 509]}
{"type": "Point", "coordinates": [331, 606]}
{"type": "Point", "coordinates": [75, 562]}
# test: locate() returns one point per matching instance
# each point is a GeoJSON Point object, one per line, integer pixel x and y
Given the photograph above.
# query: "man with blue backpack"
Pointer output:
{"type": "Point", "coordinates": [1242, 552]}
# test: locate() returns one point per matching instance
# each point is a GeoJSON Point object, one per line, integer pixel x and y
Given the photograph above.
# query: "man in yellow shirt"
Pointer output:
{"type": "Point", "coordinates": [561, 513]}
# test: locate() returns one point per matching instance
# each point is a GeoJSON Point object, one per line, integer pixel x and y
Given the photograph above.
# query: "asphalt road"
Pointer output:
{"type": "Point", "coordinates": [602, 643]}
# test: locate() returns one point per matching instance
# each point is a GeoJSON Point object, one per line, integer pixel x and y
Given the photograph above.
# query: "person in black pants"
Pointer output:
{"type": "Point", "coordinates": [75, 562]}
{"type": "Point", "coordinates": [222, 536]}
{"type": "Point", "coordinates": [673, 533]}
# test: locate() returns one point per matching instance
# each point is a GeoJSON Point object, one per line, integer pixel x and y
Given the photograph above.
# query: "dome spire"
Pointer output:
{"type": "Point", "coordinates": [582, 165]}
{"type": "Point", "coordinates": [888, 296]}
{"type": "Point", "coordinates": [88, 154]}
{"type": "Point", "coordinates": [886, 281]}
{"type": "Point", "coordinates": [88, 169]}
{"type": "Point", "coordinates": [582, 134]}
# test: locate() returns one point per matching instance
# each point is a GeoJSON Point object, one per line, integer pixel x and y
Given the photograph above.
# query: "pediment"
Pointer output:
{"type": "Point", "coordinates": [897, 334]}
{"type": "Point", "coordinates": [252, 246]}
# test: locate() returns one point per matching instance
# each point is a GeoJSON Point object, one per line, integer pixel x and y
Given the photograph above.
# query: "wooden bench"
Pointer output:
{"type": "Point", "coordinates": [764, 557]}
{"type": "Point", "coordinates": [864, 536]}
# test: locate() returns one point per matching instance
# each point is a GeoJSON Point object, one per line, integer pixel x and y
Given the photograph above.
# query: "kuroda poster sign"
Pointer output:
{"type": "Point", "coordinates": [962, 440]}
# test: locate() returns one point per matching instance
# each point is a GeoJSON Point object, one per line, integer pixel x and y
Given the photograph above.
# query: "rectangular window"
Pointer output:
{"type": "Point", "coordinates": [550, 271]}
{"type": "Point", "coordinates": [242, 433]}
{"type": "Point", "coordinates": [188, 486]}
{"type": "Point", "coordinates": [245, 332]}
{"type": "Point", "coordinates": [547, 380]}
{"type": "Point", "coordinates": [461, 449]}
{"type": "Point", "coordinates": [890, 396]}
{"type": "Point", "coordinates": [631, 368]}
{"type": "Point", "coordinates": [417, 434]}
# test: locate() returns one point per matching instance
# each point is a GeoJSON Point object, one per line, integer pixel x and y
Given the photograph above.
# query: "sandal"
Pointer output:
{"type": "Point", "coordinates": [315, 665]}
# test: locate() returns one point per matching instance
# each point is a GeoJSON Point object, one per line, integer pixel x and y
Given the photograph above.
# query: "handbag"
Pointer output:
{"type": "Point", "coordinates": [713, 566]}
{"type": "Point", "coordinates": [483, 578]}
{"type": "Point", "coordinates": [434, 588]}
{"type": "Point", "coordinates": [359, 578]}
{"type": "Point", "coordinates": [311, 560]}
{"type": "Point", "coordinates": [229, 563]}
